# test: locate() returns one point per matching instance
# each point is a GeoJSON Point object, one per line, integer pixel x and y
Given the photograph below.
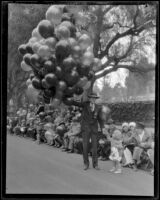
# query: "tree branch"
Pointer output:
{"type": "Point", "coordinates": [135, 17]}
{"type": "Point", "coordinates": [132, 31]}
{"type": "Point", "coordinates": [97, 43]}
{"type": "Point", "coordinates": [132, 68]}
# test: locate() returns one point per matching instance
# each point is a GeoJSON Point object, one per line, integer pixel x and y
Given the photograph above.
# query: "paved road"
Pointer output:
{"type": "Point", "coordinates": [33, 168]}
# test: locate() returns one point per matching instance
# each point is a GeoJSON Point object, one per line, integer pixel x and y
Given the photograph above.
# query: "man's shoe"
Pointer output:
{"type": "Point", "coordinates": [70, 151]}
{"type": "Point", "coordinates": [96, 167]}
{"type": "Point", "coordinates": [64, 150]}
{"type": "Point", "coordinates": [103, 159]}
{"type": "Point", "coordinates": [86, 167]}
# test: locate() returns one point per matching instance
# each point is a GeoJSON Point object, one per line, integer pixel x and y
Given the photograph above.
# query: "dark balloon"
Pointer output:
{"type": "Point", "coordinates": [42, 72]}
{"type": "Point", "coordinates": [51, 79]}
{"type": "Point", "coordinates": [36, 60]}
{"type": "Point", "coordinates": [44, 84]}
{"type": "Point", "coordinates": [72, 78]}
{"type": "Point", "coordinates": [46, 101]}
{"type": "Point", "coordinates": [78, 90]}
{"type": "Point", "coordinates": [29, 49]}
{"type": "Point", "coordinates": [22, 49]}
{"type": "Point", "coordinates": [53, 59]}
{"type": "Point", "coordinates": [36, 82]}
{"type": "Point", "coordinates": [49, 66]}
{"type": "Point", "coordinates": [27, 59]}
{"type": "Point", "coordinates": [50, 92]}
{"type": "Point", "coordinates": [59, 94]}
{"type": "Point", "coordinates": [59, 72]}
{"type": "Point", "coordinates": [45, 29]}
{"type": "Point", "coordinates": [83, 70]}
{"type": "Point", "coordinates": [76, 52]}
{"type": "Point", "coordinates": [69, 91]}
{"type": "Point", "coordinates": [68, 64]}
{"type": "Point", "coordinates": [70, 26]}
{"type": "Point", "coordinates": [61, 86]}
{"type": "Point", "coordinates": [62, 50]}
{"type": "Point", "coordinates": [68, 101]}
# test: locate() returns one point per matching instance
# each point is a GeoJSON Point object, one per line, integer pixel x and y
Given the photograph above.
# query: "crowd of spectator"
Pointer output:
{"type": "Point", "coordinates": [128, 145]}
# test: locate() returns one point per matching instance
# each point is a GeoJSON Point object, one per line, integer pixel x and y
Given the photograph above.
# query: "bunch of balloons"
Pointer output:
{"type": "Point", "coordinates": [60, 58]}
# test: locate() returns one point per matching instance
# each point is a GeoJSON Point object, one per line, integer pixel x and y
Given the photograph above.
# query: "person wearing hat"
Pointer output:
{"type": "Point", "coordinates": [143, 140]}
{"type": "Point", "coordinates": [91, 116]}
{"type": "Point", "coordinates": [128, 145]}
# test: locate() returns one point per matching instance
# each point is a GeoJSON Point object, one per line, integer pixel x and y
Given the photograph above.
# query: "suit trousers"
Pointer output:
{"type": "Point", "coordinates": [137, 153]}
{"type": "Point", "coordinates": [86, 135]}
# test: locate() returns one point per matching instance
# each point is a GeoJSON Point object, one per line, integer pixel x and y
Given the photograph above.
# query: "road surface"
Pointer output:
{"type": "Point", "coordinates": [41, 169]}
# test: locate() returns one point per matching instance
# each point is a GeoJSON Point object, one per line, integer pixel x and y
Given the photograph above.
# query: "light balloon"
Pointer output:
{"type": "Point", "coordinates": [96, 64]}
{"type": "Point", "coordinates": [44, 51]}
{"type": "Point", "coordinates": [50, 42]}
{"type": "Point", "coordinates": [32, 93]}
{"type": "Point", "coordinates": [32, 40]}
{"type": "Point", "coordinates": [70, 26]}
{"type": "Point", "coordinates": [62, 32]}
{"type": "Point", "coordinates": [84, 41]}
{"type": "Point", "coordinates": [81, 19]}
{"type": "Point", "coordinates": [54, 15]}
{"type": "Point", "coordinates": [28, 82]}
{"type": "Point", "coordinates": [25, 67]}
{"type": "Point", "coordinates": [36, 46]}
{"type": "Point", "coordinates": [72, 42]}
{"type": "Point", "coordinates": [35, 33]}
{"type": "Point", "coordinates": [87, 58]}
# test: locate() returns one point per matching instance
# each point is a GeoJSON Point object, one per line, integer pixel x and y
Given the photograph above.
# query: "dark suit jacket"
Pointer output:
{"type": "Point", "coordinates": [89, 119]}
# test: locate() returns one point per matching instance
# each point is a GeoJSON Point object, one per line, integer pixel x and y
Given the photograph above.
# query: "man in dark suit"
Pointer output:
{"type": "Point", "coordinates": [91, 116]}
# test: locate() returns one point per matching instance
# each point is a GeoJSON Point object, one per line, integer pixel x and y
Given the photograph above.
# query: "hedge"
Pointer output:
{"type": "Point", "coordinates": [143, 111]}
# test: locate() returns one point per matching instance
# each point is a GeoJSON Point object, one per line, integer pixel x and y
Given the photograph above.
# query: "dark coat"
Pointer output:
{"type": "Point", "coordinates": [89, 119]}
